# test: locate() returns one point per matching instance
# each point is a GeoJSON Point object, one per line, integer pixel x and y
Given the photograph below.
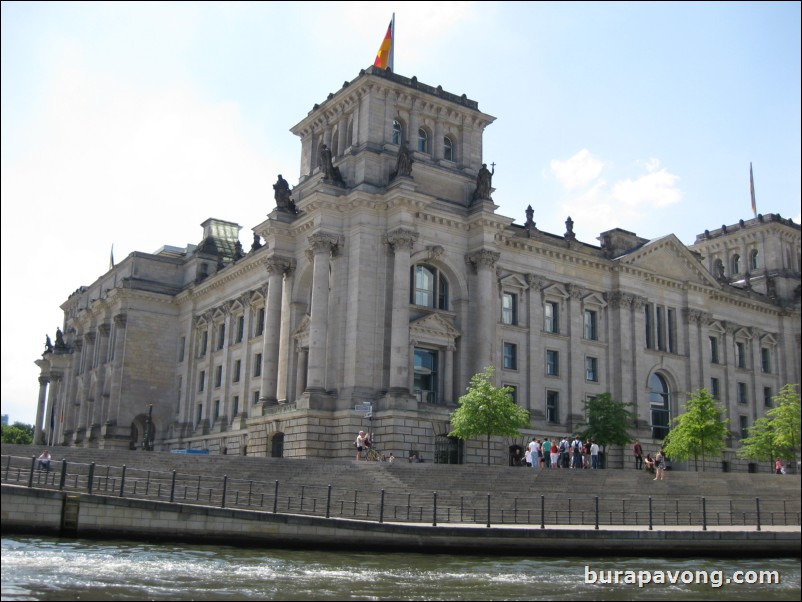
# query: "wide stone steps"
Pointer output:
{"type": "Point", "coordinates": [512, 489]}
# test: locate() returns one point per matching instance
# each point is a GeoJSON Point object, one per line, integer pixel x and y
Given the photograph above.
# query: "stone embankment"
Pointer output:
{"type": "Point", "coordinates": [421, 507]}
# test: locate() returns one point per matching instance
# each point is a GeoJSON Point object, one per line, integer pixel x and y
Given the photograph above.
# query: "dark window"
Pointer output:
{"type": "Point", "coordinates": [591, 369]}
{"type": "Point", "coordinates": [204, 342]}
{"type": "Point", "coordinates": [742, 396]}
{"type": "Point", "coordinates": [765, 360]}
{"type": "Point", "coordinates": [257, 364]}
{"type": "Point", "coordinates": [714, 388]}
{"type": "Point", "coordinates": [509, 308]}
{"type": "Point", "coordinates": [552, 406]}
{"type": "Point", "coordinates": [740, 354]}
{"type": "Point", "coordinates": [426, 382]}
{"type": "Point", "coordinates": [218, 376]}
{"type": "Point", "coordinates": [429, 287]}
{"type": "Point", "coordinates": [744, 426]}
{"type": "Point", "coordinates": [672, 331]}
{"type": "Point", "coordinates": [767, 396]}
{"type": "Point", "coordinates": [648, 312]}
{"type": "Point", "coordinates": [235, 406]}
{"type": "Point", "coordinates": [237, 370]}
{"type": "Point", "coordinates": [181, 348]}
{"type": "Point", "coordinates": [659, 398]}
{"type": "Point", "coordinates": [260, 322]}
{"type": "Point", "coordinates": [396, 132]}
{"type": "Point", "coordinates": [240, 328]}
{"type": "Point", "coordinates": [202, 381]}
{"type": "Point", "coordinates": [221, 336]}
{"type": "Point", "coordinates": [714, 350]}
{"type": "Point", "coordinates": [448, 149]}
{"type": "Point", "coordinates": [510, 356]}
{"type": "Point", "coordinates": [423, 141]}
{"type": "Point", "coordinates": [552, 362]}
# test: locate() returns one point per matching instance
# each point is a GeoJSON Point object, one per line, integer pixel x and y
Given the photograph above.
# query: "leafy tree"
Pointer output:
{"type": "Point", "coordinates": [487, 410]}
{"type": "Point", "coordinates": [17, 433]}
{"type": "Point", "coordinates": [778, 432]}
{"type": "Point", "coordinates": [760, 444]}
{"type": "Point", "coordinates": [698, 430]}
{"type": "Point", "coordinates": [607, 421]}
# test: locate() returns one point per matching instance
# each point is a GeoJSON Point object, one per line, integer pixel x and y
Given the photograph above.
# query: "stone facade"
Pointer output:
{"type": "Point", "coordinates": [389, 280]}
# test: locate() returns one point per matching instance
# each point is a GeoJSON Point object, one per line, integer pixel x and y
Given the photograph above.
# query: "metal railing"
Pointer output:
{"type": "Point", "coordinates": [436, 508]}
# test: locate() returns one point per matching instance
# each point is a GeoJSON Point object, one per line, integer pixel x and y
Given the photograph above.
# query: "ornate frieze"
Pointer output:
{"type": "Point", "coordinates": [482, 258]}
{"type": "Point", "coordinates": [400, 239]}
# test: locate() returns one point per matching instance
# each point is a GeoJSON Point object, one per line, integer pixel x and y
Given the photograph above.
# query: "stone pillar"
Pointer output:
{"type": "Point", "coordinates": [342, 135]}
{"type": "Point", "coordinates": [40, 410]}
{"type": "Point", "coordinates": [575, 362]}
{"type": "Point", "coordinates": [54, 402]}
{"type": "Point", "coordinates": [285, 341]}
{"type": "Point", "coordinates": [322, 246]}
{"type": "Point", "coordinates": [638, 345]}
{"type": "Point", "coordinates": [485, 306]}
{"type": "Point", "coordinates": [117, 369]}
{"type": "Point", "coordinates": [437, 143]}
{"type": "Point", "coordinates": [276, 266]}
{"type": "Point", "coordinates": [448, 385]}
{"type": "Point", "coordinates": [300, 374]}
{"type": "Point", "coordinates": [101, 401]}
{"type": "Point", "coordinates": [401, 241]}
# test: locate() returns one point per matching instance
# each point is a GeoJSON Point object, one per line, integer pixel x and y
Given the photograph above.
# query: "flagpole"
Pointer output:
{"type": "Point", "coordinates": [391, 61]}
{"type": "Point", "coordinates": [752, 189]}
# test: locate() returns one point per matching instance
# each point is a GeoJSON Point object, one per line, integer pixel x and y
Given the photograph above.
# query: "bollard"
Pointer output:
{"type": "Point", "coordinates": [172, 489]}
{"type": "Point", "coordinates": [434, 512]}
{"type": "Point", "coordinates": [328, 502]}
{"type": "Point", "coordinates": [488, 510]}
{"type": "Point", "coordinates": [122, 482]}
{"type": "Point", "coordinates": [757, 507]}
{"type": "Point", "coordinates": [91, 478]}
{"type": "Point", "coordinates": [225, 486]}
{"type": "Point", "coordinates": [33, 467]}
{"type": "Point", "coordinates": [63, 474]}
{"type": "Point", "coordinates": [704, 514]}
{"type": "Point", "coordinates": [250, 490]}
{"type": "Point", "coordinates": [275, 499]}
{"type": "Point", "coordinates": [597, 512]}
{"type": "Point", "coordinates": [542, 511]}
{"type": "Point", "coordinates": [381, 508]}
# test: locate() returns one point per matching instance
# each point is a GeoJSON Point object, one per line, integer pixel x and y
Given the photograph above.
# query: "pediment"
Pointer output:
{"type": "Point", "coordinates": [513, 281]}
{"type": "Point", "coordinates": [594, 299]}
{"type": "Point", "coordinates": [717, 327]}
{"type": "Point", "coordinates": [555, 290]}
{"type": "Point", "coordinates": [743, 333]}
{"type": "Point", "coordinates": [434, 328]}
{"type": "Point", "coordinates": [669, 258]}
{"type": "Point", "coordinates": [768, 340]}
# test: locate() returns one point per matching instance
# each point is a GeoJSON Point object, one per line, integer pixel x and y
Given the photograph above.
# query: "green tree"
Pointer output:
{"type": "Point", "coordinates": [17, 433]}
{"type": "Point", "coordinates": [699, 430]}
{"type": "Point", "coordinates": [760, 444]}
{"type": "Point", "coordinates": [487, 410]}
{"type": "Point", "coordinates": [607, 421]}
{"type": "Point", "coordinates": [777, 434]}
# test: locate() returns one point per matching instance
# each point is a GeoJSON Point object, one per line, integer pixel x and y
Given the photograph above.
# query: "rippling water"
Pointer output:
{"type": "Point", "coordinates": [42, 568]}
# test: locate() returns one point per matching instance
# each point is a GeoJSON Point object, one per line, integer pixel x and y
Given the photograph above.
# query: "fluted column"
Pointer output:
{"type": "Point", "coordinates": [484, 262]}
{"type": "Point", "coordinates": [54, 404]}
{"type": "Point", "coordinates": [40, 409]}
{"type": "Point", "coordinates": [285, 341]}
{"type": "Point", "coordinates": [322, 245]}
{"type": "Point", "coordinates": [401, 241]}
{"type": "Point", "coordinates": [276, 266]}
{"type": "Point", "coordinates": [101, 402]}
{"type": "Point", "coordinates": [342, 134]}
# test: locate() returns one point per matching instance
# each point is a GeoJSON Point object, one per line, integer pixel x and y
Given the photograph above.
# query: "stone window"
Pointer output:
{"type": "Point", "coordinates": [553, 406]}
{"type": "Point", "coordinates": [659, 401]}
{"type": "Point", "coordinates": [448, 149]}
{"type": "Point", "coordinates": [423, 141]}
{"type": "Point", "coordinates": [429, 287]}
{"type": "Point", "coordinates": [552, 362]}
{"type": "Point", "coordinates": [257, 365]}
{"type": "Point", "coordinates": [592, 369]}
{"type": "Point", "coordinates": [510, 356]}
{"type": "Point", "coordinates": [427, 378]}
{"type": "Point", "coordinates": [552, 317]}
{"type": "Point", "coordinates": [509, 308]}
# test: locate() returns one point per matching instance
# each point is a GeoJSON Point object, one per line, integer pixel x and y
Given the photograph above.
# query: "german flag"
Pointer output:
{"type": "Point", "coordinates": [384, 58]}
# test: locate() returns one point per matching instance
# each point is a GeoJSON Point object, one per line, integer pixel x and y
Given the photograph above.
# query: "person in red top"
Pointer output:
{"type": "Point", "coordinates": [778, 467]}
{"type": "Point", "coordinates": [638, 451]}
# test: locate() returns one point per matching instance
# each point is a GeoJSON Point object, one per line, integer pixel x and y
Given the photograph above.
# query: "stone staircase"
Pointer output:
{"type": "Point", "coordinates": [514, 491]}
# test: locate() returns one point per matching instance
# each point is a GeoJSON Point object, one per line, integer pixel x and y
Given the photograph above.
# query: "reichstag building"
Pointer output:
{"type": "Point", "coordinates": [385, 279]}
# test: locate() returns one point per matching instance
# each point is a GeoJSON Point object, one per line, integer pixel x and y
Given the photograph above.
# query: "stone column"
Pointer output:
{"type": "Point", "coordinates": [40, 409]}
{"type": "Point", "coordinates": [401, 241]}
{"type": "Point", "coordinates": [276, 266]}
{"type": "Point", "coordinates": [638, 330]}
{"type": "Point", "coordinates": [322, 246]}
{"type": "Point", "coordinates": [300, 374]}
{"type": "Point", "coordinates": [575, 362]}
{"type": "Point", "coordinates": [54, 402]}
{"type": "Point", "coordinates": [485, 307]}
{"type": "Point", "coordinates": [285, 341]}
{"type": "Point", "coordinates": [117, 369]}
{"type": "Point", "coordinates": [437, 143]}
{"type": "Point", "coordinates": [101, 402]}
{"type": "Point", "coordinates": [448, 385]}
{"type": "Point", "coordinates": [342, 135]}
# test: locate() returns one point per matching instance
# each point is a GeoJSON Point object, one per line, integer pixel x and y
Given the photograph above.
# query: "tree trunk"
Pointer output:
{"type": "Point", "coordinates": [488, 449]}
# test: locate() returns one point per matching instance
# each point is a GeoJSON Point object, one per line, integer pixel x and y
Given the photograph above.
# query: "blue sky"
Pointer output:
{"type": "Point", "coordinates": [129, 124]}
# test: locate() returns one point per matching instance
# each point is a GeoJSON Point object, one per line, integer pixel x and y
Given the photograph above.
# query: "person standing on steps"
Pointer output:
{"type": "Point", "coordinates": [360, 444]}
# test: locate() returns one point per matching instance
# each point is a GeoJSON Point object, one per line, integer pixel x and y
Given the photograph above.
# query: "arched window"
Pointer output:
{"type": "Point", "coordinates": [659, 395]}
{"type": "Point", "coordinates": [735, 264]}
{"type": "Point", "coordinates": [396, 132]}
{"type": "Point", "coordinates": [423, 141]}
{"type": "Point", "coordinates": [428, 287]}
{"type": "Point", "coordinates": [277, 446]}
{"type": "Point", "coordinates": [448, 149]}
{"type": "Point", "coordinates": [753, 260]}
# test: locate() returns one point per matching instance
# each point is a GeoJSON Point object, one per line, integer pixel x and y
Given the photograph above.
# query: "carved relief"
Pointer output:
{"type": "Point", "coordinates": [401, 239]}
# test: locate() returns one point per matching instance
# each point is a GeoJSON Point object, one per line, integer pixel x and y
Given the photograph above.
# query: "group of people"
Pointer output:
{"type": "Point", "coordinates": [656, 465]}
{"type": "Point", "coordinates": [364, 443]}
{"type": "Point", "coordinates": [564, 453]}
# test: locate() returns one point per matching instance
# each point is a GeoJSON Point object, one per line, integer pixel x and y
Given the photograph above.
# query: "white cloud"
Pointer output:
{"type": "Point", "coordinates": [578, 171]}
{"type": "Point", "coordinates": [656, 189]}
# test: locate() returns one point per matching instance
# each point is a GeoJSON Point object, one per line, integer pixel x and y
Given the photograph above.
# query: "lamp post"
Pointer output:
{"type": "Point", "coordinates": [147, 444]}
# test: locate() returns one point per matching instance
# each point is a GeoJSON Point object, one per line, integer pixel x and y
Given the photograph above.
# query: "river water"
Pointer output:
{"type": "Point", "coordinates": [48, 568]}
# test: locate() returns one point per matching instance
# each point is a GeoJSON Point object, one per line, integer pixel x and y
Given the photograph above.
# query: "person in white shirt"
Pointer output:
{"type": "Point", "coordinates": [594, 455]}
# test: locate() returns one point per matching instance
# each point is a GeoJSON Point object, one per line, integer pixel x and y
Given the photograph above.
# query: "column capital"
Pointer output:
{"type": "Point", "coordinates": [324, 242]}
{"type": "Point", "coordinates": [44, 380]}
{"type": "Point", "coordinates": [278, 265]}
{"type": "Point", "coordinates": [120, 320]}
{"type": "Point", "coordinates": [483, 258]}
{"type": "Point", "coordinates": [401, 239]}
